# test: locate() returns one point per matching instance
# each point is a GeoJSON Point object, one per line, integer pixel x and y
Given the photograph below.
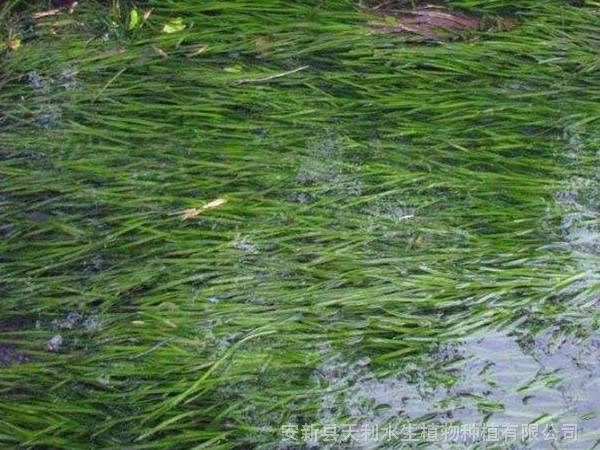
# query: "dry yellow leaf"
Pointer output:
{"type": "Point", "coordinates": [147, 14]}
{"type": "Point", "coordinates": [197, 52]}
{"type": "Point", "coordinates": [215, 203]}
{"type": "Point", "coordinates": [13, 43]}
{"type": "Point", "coordinates": [192, 213]}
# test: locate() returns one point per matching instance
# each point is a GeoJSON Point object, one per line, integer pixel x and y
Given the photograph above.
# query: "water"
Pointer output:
{"type": "Point", "coordinates": [540, 381]}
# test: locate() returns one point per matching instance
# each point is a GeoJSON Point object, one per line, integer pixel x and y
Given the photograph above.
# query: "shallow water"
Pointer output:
{"type": "Point", "coordinates": [536, 386]}
{"type": "Point", "coordinates": [539, 384]}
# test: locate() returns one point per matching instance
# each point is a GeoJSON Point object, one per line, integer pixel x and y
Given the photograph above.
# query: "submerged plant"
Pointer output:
{"type": "Point", "coordinates": [407, 238]}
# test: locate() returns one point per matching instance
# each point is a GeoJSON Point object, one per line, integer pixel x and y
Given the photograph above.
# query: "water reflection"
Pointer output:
{"type": "Point", "coordinates": [493, 379]}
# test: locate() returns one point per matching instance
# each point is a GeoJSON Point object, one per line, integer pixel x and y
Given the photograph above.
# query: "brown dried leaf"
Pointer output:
{"type": "Point", "coordinates": [438, 19]}
{"type": "Point", "coordinates": [425, 21]}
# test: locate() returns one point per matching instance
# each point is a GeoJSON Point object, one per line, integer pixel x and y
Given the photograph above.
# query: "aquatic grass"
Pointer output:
{"type": "Point", "coordinates": [393, 197]}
